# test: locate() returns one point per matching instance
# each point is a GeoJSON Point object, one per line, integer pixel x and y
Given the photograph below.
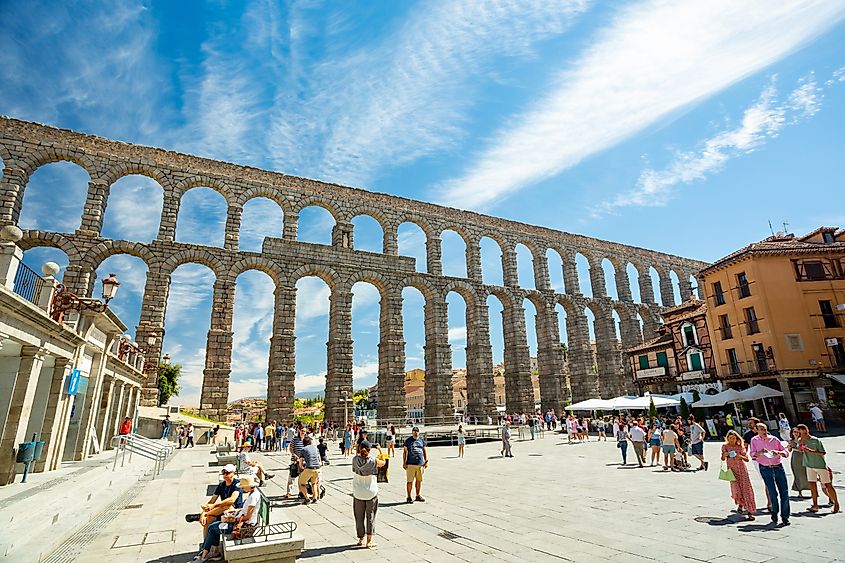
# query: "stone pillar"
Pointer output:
{"type": "Point", "coordinates": [438, 363]}
{"type": "Point", "coordinates": [54, 415]}
{"type": "Point", "coordinates": [519, 393]}
{"type": "Point", "coordinates": [20, 408]}
{"type": "Point", "coordinates": [608, 357]}
{"type": "Point", "coordinates": [481, 391]}
{"type": "Point", "coordinates": [433, 254]}
{"type": "Point", "coordinates": [390, 242]}
{"type": "Point", "coordinates": [474, 260]}
{"type": "Point", "coordinates": [623, 284]}
{"type": "Point", "coordinates": [686, 290]}
{"type": "Point", "coordinates": [291, 225]}
{"type": "Point", "coordinates": [169, 216]}
{"type": "Point", "coordinates": [232, 234]}
{"type": "Point", "coordinates": [391, 360]}
{"type": "Point", "coordinates": [510, 274]}
{"type": "Point", "coordinates": [95, 208]}
{"type": "Point", "coordinates": [11, 194]}
{"type": "Point", "coordinates": [570, 274]}
{"type": "Point", "coordinates": [631, 336]}
{"type": "Point", "coordinates": [550, 359]}
{"type": "Point", "coordinates": [339, 353]}
{"type": "Point", "coordinates": [646, 286]}
{"type": "Point", "coordinates": [105, 412]}
{"type": "Point", "coordinates": [149, 334]}
{"type": "Point", "coordinates": [667, 293]}
{"type": "Point", "coordinates": [650, 323]}
{"type": "Point", "coordinates": [10, 258]}
{"type": "Point", "coordinates": [541, 271]}
{"type": "Point", "coordinates": [118, 410]}
{"type": "Point", "coordinates": [582, 374]}
{"type": "Point", "coordinates": [78, 280]}
{"type": "Point", "coordinates": [343, 235]}
{"type": "Point", "coordinates": [218, 353]}
{"type": "Point", "coordinates": [281, 372]}
{"type": "Point", "coordinates": [597, 281]}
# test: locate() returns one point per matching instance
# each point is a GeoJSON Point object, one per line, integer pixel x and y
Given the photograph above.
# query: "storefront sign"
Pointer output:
{"type": "Point", "coordinates": [651, 372]}
{"type": "Point", "coordinates": [697, 374]}
{"type": "Point", "coordinates": [831, 342]}
{"type": "Point", "coordinates": [73, 382]}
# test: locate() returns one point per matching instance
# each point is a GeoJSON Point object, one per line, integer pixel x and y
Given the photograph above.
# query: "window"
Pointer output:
{"type": "Point", "coordinates": [725, 325]}
{"type": "Point", "coordinates": [644, 362]}
{"type": "Point", "coordinates": [733, 362]}
{"type": "Point", "coordinates": [827, 237]}
{"type": "Point", "coordinates": [760, 357]}
{"type": "Point", "coordinates": [742, 285]}
{"type": "Point", "coordinates": [662, 360]}
{"type": "Point", "coordinates": [460, 403]}
{"type": "Point", "coordinates": [689, 335]}
{"type": "Point", "coordinates": [794, 343]}
{"type": "Point", "coordinates": [828, 316]}
{"type": "Point", "coordinates": [751, 321]}
{"type": "Point", "coordinates": [718, 294]}
{"type": "Point", "coordinates": [695, 363]}
{"type": "Point", "coordinates": [814, 270]}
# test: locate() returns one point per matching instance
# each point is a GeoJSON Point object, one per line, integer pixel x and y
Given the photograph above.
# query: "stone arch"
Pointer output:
{"type": "Point", "coordinates": [554, 262]}
{"type": "Point", "coordinates": [258, 263]}
{"type": "Point", "coordinates": [371, 277]}
{"type": "Point", "coordinates": [194, 256]}
{"type": "Point", "coordinates": [33, 239]}
{"type": "Point", "coordinates": [582, 262]}
{"type": "Point", "coordinates": [133, 195]}
{"type": "Point", "coordinates": [188, 184]}
{"type": "Point", "coordinates": [268, 192]}
{"type": "Point", "coordinates": [31, 162]}
{"type": "Point", "coordinates": [96, 255]}
{"type": "Point", "coordinates": [421, 284]}
{"type": "Point", "coordinates": [66, 202]}
{"type": "Point", "coordinates": [190, 229]}
{"type": "Point", "coordinates": [317, 201]}
{"type": "Point", "coordinates": [464, 289]}
{"type": "Point", "coordinates": [358, 230]}
{"type": "Point", "coordinates": [457, 267]}
{"type": "Point", "coordinates": [502, 295]}
{"type": "Point", "coordinates": [498, 276]}
{"type": "Point", "coordinates": [419, 221]}
{"type": "Point", "coordinates": [373, 212]}
{"type": "Point", "coordinates": [325, 273]}
{"type": "Point", "coordinates": [421, 259]}
{"type": "Point", "coordinates": [115, 173]}
{"type": "Point", "coordinates": [525, 273]}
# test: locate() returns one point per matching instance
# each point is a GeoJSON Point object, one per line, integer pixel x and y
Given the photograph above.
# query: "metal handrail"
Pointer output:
{"type": "Point", "coordinates": [150, 449]}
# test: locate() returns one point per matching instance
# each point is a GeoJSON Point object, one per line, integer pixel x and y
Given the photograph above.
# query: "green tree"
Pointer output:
{"type": "Point", "coordinates": [698, 412]}
{"type": "Point", "coordinates": [361, 399]}
{"type": "Point", "coordinates": [684, 409]}
{"type": "Point", "coordinates": [168, 381]}
{"type": "Point", "coordinates": [652, 410]}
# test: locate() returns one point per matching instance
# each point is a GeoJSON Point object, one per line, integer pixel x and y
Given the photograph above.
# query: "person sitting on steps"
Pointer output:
{"type": "Point", "coordinates": [253, 467]}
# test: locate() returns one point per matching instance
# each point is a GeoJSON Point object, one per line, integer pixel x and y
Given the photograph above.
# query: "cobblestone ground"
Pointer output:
{"type": "Point", "coordinates": [552, 502]}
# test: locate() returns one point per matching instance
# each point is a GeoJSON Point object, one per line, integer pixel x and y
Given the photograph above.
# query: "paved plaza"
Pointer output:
{"type": "Point", "coordinates": [552, 502]}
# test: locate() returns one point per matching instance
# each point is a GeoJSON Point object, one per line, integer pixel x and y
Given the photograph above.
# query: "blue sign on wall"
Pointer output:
{"type": "Point", "coordinates": [73, 382]}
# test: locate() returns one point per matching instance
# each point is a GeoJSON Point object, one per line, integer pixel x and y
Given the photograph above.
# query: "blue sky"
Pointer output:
{"type": "Point", "coordinates": [683, 127]}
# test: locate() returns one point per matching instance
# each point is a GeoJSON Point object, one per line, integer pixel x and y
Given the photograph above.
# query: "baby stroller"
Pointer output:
{"type": "Point", "coordinates": [311, 490]}
{"type": "Point", "coordinates": [678, 463]}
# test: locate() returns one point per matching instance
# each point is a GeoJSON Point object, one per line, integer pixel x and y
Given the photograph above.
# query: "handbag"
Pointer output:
{"type": "Point", "coordinates": [726, 474]}
{"type": "Point", "coordinates": [619, 444]}
{"type": "Point", "coordinates": [294, 469]}
{"type": "Point", "coordinates": [245, 531]}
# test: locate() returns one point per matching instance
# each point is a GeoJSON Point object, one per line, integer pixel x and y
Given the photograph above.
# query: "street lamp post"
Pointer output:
{"type": "Point", "coordinates": [65, 300]}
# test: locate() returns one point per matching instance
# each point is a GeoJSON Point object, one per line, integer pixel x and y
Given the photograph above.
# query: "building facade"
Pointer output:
{"type": "Point", "coordinates": [776, 310]}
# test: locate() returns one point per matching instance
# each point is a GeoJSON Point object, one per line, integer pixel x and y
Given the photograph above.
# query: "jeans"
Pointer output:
{"type": "Point", "coordinates": [365, 516]}
{"type": "Point", "coordinates": [164, 432]}
{"type": "Point", "coordinates": [623, 446]}
{"type": "Point", "coordinates": [212, 538]}
{"type": "Point", "coordinates": [532, 432]}
{"type": "Point", "coordinates": [775, 479]}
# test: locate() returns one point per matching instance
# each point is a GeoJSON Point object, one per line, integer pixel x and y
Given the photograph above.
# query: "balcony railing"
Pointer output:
{"type": "Point", "coordinates": [747, 367]}
{"type": "Point", "coordinates": [28, 284]}
{"type": "Point", "coordinates": [753, 327]}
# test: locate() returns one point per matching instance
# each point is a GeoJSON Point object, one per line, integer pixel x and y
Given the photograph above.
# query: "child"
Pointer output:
{"type": "Point", "coordinates": [323, 449]}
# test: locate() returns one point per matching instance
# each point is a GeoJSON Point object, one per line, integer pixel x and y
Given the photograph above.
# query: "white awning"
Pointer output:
{"type": "Point", "coordinates": [840, 377]}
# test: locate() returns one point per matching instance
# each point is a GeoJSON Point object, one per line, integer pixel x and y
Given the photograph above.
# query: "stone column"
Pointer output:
{"type": "Point", "coordinates": [667, 293]}
{"type": "Point", "coordinates": [90, 411]}
{"type": "Point", "coordinates": [232, 234]}
{"type": "Point", "coordinates": [105, 411]}
{"type": "Point", "coordinates": [686, 290]}
{"type": "Point", "coordinates": [169, 216]}
{"type": "Point", "coordinates": [510, 274]}
{"type": "Point", "coordinates": [390, 242]}
{"type": "Point", "coordinates": [339, 353]}
{"type": "Point", "coordinates": [291, 225]}
{"type": "Point", "coordinates": [474, 260]}
{"type": "Point", "coordinates": [149, 334]}
{"type": "Point", "coordinates": [119, 408]}
{"type": "Point", "coordinates": [391, 360]}
{"type": "Point", "coordinates": [608, 357]}
{"type": "Point", "coordinates": [11, 194]}
{"type": "Point", "coordinates": [438, 362]}
{"type": "Point", "coordinates": [646, 286]}
{"type": "Point", "coordinates": [631, 336]}
{"type": "Point", "coordinates": [481, 392]}
{"type": "Point", "coordinates": [623, 284]}
{"type": "Point", "coordinates": [95, 208]}
{"type": "Point", "coordinates": [433, 254]}
{"type": "Point", "coordinates": [650, 323]}
{"type": "Point", "coordinates": [541, 271]}
{"type": "Point", "coordinates": [597, 281]}
{"type": "Point", "coordinates": [78, 280]}
{"type": "Point", "coordinates": [54, 439]}
{"type": "Point", "coordinates": [281, 372]}
{"type": "Point", "coordinates": [218, 353]}
{"type": "Point", "coordinates": [550, 359]}
{"type": "Point", "coordinates": [343, 235]}
{"type": "Point", "coordinates": [519, 393]}
{"type": "Point", "coordinates": [582, 374]}
{"type": "Point", "coordinates": [570, 274]}
{"type": "Point", "coordinates": [20, 408]}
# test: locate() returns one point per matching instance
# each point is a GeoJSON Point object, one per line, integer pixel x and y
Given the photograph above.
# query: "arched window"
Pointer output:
{"type": "Point", "coordinates": [366, 312]}
{"type": "Point", "coordinates": [555, 263]}
{"type": "Point", "coordinates": [252, 327]}
{"type": "Point", "coordinates": [525, 267]}
{"type": "Point", "coordinates": [582, 265]}
{"type": "Point", "coordinates": [634, 281]}
{"type": "Point", "coordinates": [311, 333]}
{"type": "Point", "coordinates": [411, 241]}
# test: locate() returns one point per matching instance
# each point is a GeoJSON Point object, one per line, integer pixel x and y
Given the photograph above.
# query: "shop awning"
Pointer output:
{"type": "Point", "coordinates": [840, 377]}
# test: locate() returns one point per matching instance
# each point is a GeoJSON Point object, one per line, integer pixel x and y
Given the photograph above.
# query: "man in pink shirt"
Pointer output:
{"type": "Point", "coordinates": [769, 452]}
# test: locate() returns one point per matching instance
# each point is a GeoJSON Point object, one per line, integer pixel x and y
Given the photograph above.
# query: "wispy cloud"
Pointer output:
{"type": "Point", "coordinates": [761, 121]}
{"type": "Point", "coordinates": [134, 209]}
{"type": "Point", "coordinates": [653, 59]}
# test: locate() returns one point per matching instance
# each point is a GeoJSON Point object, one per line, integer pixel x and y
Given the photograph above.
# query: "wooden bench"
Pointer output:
{"type": "Point", "coordinates": [275, 543]}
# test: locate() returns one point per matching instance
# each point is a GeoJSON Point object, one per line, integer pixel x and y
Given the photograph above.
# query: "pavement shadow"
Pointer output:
{"type": "Point", "coordinates": [495, 457]}
{"type": "Point", "coordinates": [328, 550]}
{"type": "Point", "coordinates": [391, 504]}
{"type": "Point", "coordinates": [769, 527]}
{"type": "Point", "coordinates": [178, 557]}
{"type": "Point", "coordinates": [725, 521]}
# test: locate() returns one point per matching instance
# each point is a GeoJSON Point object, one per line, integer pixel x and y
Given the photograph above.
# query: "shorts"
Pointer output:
{"type": "Point", "coordinates": [822, 475]}
{"type": "Point", "coordinates": [414, 472]}
{"type": "Point", "coordinates": [668, 450]}
{"type": "Point", "coordinates": [697, 449]}
{"type": "Point", "coordinates": [312, 475]}
{"type": "Point", "coordinates": [654, 443]}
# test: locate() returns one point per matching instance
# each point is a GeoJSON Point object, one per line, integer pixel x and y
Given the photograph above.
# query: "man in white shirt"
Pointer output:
{"type": "Point", "coordinates": [696, 432]}
{"type": "Point", "coordinates": [818, 418]}
{"type": "Point", "coordinates": [637, 436]}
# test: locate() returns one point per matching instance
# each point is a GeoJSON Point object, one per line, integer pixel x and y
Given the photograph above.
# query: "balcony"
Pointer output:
{"type": "Point", "coordinates": [748, 367]}
{"type": "Point", "coordinates": [752, 327]}
{"type": "Point", "coordinates": [28, 284]}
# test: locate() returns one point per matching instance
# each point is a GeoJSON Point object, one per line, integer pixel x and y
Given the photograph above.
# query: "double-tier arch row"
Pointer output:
{"type": "Point", "coordinates": [586, 370]}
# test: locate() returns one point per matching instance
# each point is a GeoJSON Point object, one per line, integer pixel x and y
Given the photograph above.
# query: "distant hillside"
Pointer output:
{"type": "Point", "coordinates": [309, 394]}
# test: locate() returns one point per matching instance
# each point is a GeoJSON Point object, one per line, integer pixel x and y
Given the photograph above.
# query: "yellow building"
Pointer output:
{"type": "Point", "coordinates": [776, 312]}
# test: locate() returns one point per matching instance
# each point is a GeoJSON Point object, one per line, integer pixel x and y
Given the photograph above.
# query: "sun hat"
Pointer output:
{"type": "Point", "coordinates": [228, 468]}
{"type": "Point", "coordinates": [247, 481]}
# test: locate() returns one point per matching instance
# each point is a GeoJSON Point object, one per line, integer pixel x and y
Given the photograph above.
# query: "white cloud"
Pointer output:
{"type": "Point", "coordinates": [312, 299]}
{"type": "Point", "coordinates": [458, 335]}
{"type": "Point", "coordinates": [837, 76]}
{"type": "Point", "coordinates": [761, 121]}
{"type": "Point", "coordinates": [654, 58]}
{"type": "Point", "coordinates": [365, 374]}
{"type": "Point", "coordinates": [134, 209]}
{"type": "Point", "coordinates": [191, 285]}
{"type": "Point", "coordinates": [311, 382]}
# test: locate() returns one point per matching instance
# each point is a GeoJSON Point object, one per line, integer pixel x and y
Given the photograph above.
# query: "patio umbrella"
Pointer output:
{"type": "Point", "coordinates": [759, 392]}
{"type": "Point", "coordinates": [591, 405]}
{"type": "Point", "coordinates": [642, 403]}
{"type": "Point", "coordinates": [720, 399]}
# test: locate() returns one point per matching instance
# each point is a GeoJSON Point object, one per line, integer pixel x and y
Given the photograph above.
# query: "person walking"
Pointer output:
{"type": "Point", "coordinates": [735, 457]}
{"type": "Point", "coordinates": [390, 440]}
{"type": "Point", "coordinates": [347, 441]}
{"type": "Point", "coordinates": [697, 435]}
{"type": "Point", "coordinates": [816, 467]}
{"type": "Point", "coordinates": [365, 492]}
{"type": "Point", "coordinates": [800, 483]}
{"type": "Point", "coordinates": [531, 426]}
{"type": "Point", "coordinates": [295, 447]}
{"type": "Point", "coordinates": [622, 442]}
{"type": "Point", "coordinates": [189, 434]}
{"type": "Point", "coordinates": [669, 445]}
{"type": "Point", "coordinates": [654, 442]}
{"type": "Point", "coordinates": [165, 427]}
{"type": "Point", "coordinates": [784, 428]}
{"type": "Point", "coordinates": [506, 440]}
{"type": "Point", "coordinates": [818, 418]}
{"type": "Point", "coordinates": [309, 465]}
{"type": "Point", "coordinates": [601, 427]}
{"type": "Point", "coordinates": [462, 440]}
{"type": "Point", "coordinates": [414, 462]}
{"type": "Point", "coordinates": [637, 436]}
{"type": "Point", "coordinates": [769, 452]}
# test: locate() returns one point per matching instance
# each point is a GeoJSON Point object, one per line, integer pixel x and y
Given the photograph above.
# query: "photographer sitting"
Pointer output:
{"type": "Point", "coordinates": [227, 495]}
{"type": "Point", "coordinates": [240, 522]}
